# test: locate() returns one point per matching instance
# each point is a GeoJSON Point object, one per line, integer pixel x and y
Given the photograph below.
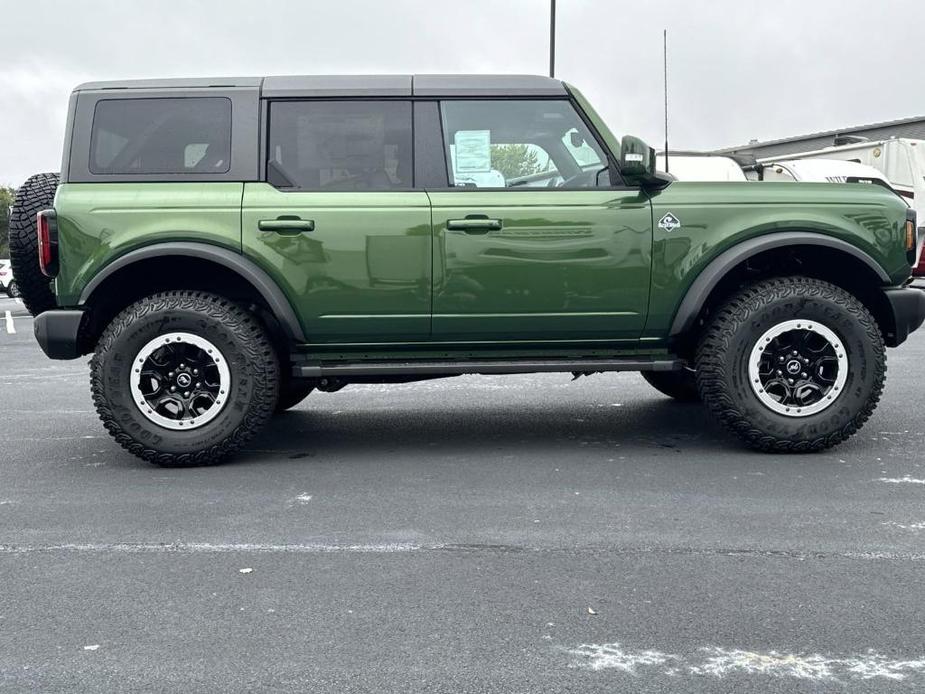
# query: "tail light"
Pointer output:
{"type": "Point", "coordinates": [47, 228]}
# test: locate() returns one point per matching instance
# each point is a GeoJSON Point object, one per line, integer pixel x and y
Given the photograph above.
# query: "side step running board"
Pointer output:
{"type": "Point", "coordinates": [483, 366]}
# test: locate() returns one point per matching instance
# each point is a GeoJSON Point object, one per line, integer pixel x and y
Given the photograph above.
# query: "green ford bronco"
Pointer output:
{"type": "Point", "coordinates": [223, 247]}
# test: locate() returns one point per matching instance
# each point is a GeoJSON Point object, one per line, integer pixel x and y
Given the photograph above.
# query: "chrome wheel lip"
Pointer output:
{"type": "Point", "coordinates": [830, 396]}
{"type": "Point", "coordinates": [186, 423]}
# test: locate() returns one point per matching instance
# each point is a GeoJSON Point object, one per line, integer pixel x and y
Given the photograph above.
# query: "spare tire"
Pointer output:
{"type": "Point", "coordinates": [35, 195]}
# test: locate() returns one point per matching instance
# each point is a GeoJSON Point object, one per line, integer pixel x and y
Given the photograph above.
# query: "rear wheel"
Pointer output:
{"type": "Point", "coordinates": [184, 378]}
{"type": "Point", "coordinates": [35, 195]}
{"type": "Point", "coordinates": [792, 364]}
{"type": "Point", "coordinates": [680, 385]}
{"type": "Point", "coordinates": [13, 290]}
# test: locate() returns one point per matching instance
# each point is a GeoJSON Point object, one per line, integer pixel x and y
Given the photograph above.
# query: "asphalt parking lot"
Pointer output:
{"type": "Point", "coordinates": [481, 534]}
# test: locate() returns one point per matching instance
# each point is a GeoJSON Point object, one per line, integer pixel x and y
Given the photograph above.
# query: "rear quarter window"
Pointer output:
{"type": "Point", "coordinates": [161, 136]}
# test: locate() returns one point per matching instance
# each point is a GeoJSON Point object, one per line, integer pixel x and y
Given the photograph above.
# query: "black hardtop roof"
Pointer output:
{"type": "Point", "coordinates": [354, 85]}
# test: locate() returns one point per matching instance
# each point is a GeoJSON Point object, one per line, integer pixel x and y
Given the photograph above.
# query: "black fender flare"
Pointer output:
{"type": "Point", "coordinates": [237, 263]}
{"type": "Point", "coordinates": [710, 276]}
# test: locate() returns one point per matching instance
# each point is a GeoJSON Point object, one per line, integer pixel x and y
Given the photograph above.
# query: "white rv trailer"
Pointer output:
{"type": "Point", "coordinates": [900, 160]}
{"type": "Point", "coordinates": [820, 171]}
{"type": "Point", "coordinates": [699, 167]}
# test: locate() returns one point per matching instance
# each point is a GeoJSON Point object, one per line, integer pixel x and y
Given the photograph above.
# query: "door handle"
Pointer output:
{"type": "Point", "coordinates": [474, 225]}
{"type": "Point", "coordinates": [286, 224]}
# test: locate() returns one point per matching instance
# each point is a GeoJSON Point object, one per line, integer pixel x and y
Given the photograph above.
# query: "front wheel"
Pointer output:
{"type": "Point", "coordinates": [13, 290]}
{"type": "Point", "coordinates": [184, 378]}
{"type": "Point", "coordinates": [792, 364]}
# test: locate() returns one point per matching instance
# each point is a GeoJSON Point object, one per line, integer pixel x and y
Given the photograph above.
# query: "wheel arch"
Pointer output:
{"type": "Point", "coordinates": [214, 267]}
{"type": "Point", "coordinates": [799, 252]}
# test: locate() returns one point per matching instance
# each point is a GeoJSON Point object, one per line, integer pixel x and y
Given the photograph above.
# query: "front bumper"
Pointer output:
{"type": "Point", "coordinates": [58, 331]}
{"type": "Point", "coordinates": [908, 312]}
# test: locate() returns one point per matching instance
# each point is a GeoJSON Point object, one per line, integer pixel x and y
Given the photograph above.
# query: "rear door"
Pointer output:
{"type": "Point", "coordinates": [338, 222]}
{"type": "Point", "coordinates": [535, 239]}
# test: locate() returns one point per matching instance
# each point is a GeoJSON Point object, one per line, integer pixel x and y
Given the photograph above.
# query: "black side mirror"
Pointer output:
{"type": "Point", "coordinates": [637, 164]}
{"type": "Point", "coordinates": [576, 139]}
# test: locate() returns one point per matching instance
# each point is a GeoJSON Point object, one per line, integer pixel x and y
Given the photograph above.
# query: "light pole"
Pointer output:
{"type": "Point", "coordinates": [552, 38]}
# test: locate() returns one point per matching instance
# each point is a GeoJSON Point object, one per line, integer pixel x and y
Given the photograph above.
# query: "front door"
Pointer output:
{"type": "Point", "coordinates": [338, 223]}
{"type": "Point", "coordinates": [533, 241]}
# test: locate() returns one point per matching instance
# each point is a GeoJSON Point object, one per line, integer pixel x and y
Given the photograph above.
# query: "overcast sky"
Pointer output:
{"type": "Point", "coordinates": [739, 69]}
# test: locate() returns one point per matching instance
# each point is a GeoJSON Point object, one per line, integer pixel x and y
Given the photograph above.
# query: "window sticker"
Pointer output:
{"type": "Point", "coordinates": [473, 151]}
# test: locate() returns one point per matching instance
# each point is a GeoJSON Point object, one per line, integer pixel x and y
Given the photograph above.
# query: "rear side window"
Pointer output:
{"type": "Point", "coordinates": [340, 145]}
{"type": "Point", "coordinates": [161, 136]}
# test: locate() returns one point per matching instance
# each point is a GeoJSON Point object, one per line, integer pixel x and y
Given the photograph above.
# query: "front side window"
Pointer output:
{"type": "Point", "coordinates": [161, 136]}
{"type": "Point", "coordinates": [340, 145]}
{"type": "Point", "coordinates": [520, 143]}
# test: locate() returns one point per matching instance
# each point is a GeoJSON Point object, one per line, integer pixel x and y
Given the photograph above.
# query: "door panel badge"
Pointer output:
{"type": "Point", "coordinates": [669, 223]}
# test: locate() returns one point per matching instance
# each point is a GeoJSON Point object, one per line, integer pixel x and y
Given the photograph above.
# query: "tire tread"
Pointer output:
{"type": "Point", "coordinates": [33, 196]}
{"type": "Point", "coordinates": [259, 352]}
{"type": "Point", "coordinates": [712, 360]}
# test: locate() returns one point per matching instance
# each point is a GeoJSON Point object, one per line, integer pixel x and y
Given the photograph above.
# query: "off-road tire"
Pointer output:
{"type": "Point", "coordinates": [291, 393]}
{"type": "Point", "coordinates": [35, 195]}
{"type": "Point", "coordinates": [680, 385]}
{"type": "Point", "coordinates": [250, 357]}
{"type": "Point", "coordinates": [726, 344]}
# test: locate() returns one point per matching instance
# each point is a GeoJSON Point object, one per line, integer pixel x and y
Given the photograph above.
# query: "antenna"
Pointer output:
{"type": "Point", "coordinates": [552, 38]}
{"type": "Point", "coordinates": [665, 62]}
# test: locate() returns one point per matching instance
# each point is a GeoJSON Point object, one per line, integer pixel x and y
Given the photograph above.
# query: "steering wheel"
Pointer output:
{"type": "Point", "coordinates": [585, 179]}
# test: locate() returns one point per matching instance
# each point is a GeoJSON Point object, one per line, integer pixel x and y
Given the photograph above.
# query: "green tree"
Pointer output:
{"type": "Point", "coordinates": [6, 200]}
{"type": "Point", "coordinates": [514, 160]}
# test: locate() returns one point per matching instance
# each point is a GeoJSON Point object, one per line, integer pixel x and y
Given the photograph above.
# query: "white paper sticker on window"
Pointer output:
{"type": "Point", "coordinates": [473, 151]}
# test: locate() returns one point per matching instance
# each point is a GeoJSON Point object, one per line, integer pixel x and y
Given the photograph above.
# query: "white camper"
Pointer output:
{"type": "Point", "coordinates": [820, 171]}
{"type": "Point", "coordinates": [700, 167]}
{"type": "Point", "coordinates": [900, 160]}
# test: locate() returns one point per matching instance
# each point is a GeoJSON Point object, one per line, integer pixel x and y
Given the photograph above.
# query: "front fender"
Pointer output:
{"type": "Point", "coordinates": [865, 221]}
{"type": "Point", "coordinates": [696, 296]}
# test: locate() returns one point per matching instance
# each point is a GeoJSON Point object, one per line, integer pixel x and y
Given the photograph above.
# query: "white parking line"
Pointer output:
{"type": "Point", "coordinates": [719, 662]}
{"type": "Point", "coordinates": [10, 328]}
{"type": "Point", "coordinates": [901, 480]}
{"type": "Point", "coordinates": [211, 548]}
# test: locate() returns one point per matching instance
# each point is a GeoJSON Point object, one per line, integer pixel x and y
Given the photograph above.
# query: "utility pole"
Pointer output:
{"type": "Point", "coordinates": [552, 38]}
